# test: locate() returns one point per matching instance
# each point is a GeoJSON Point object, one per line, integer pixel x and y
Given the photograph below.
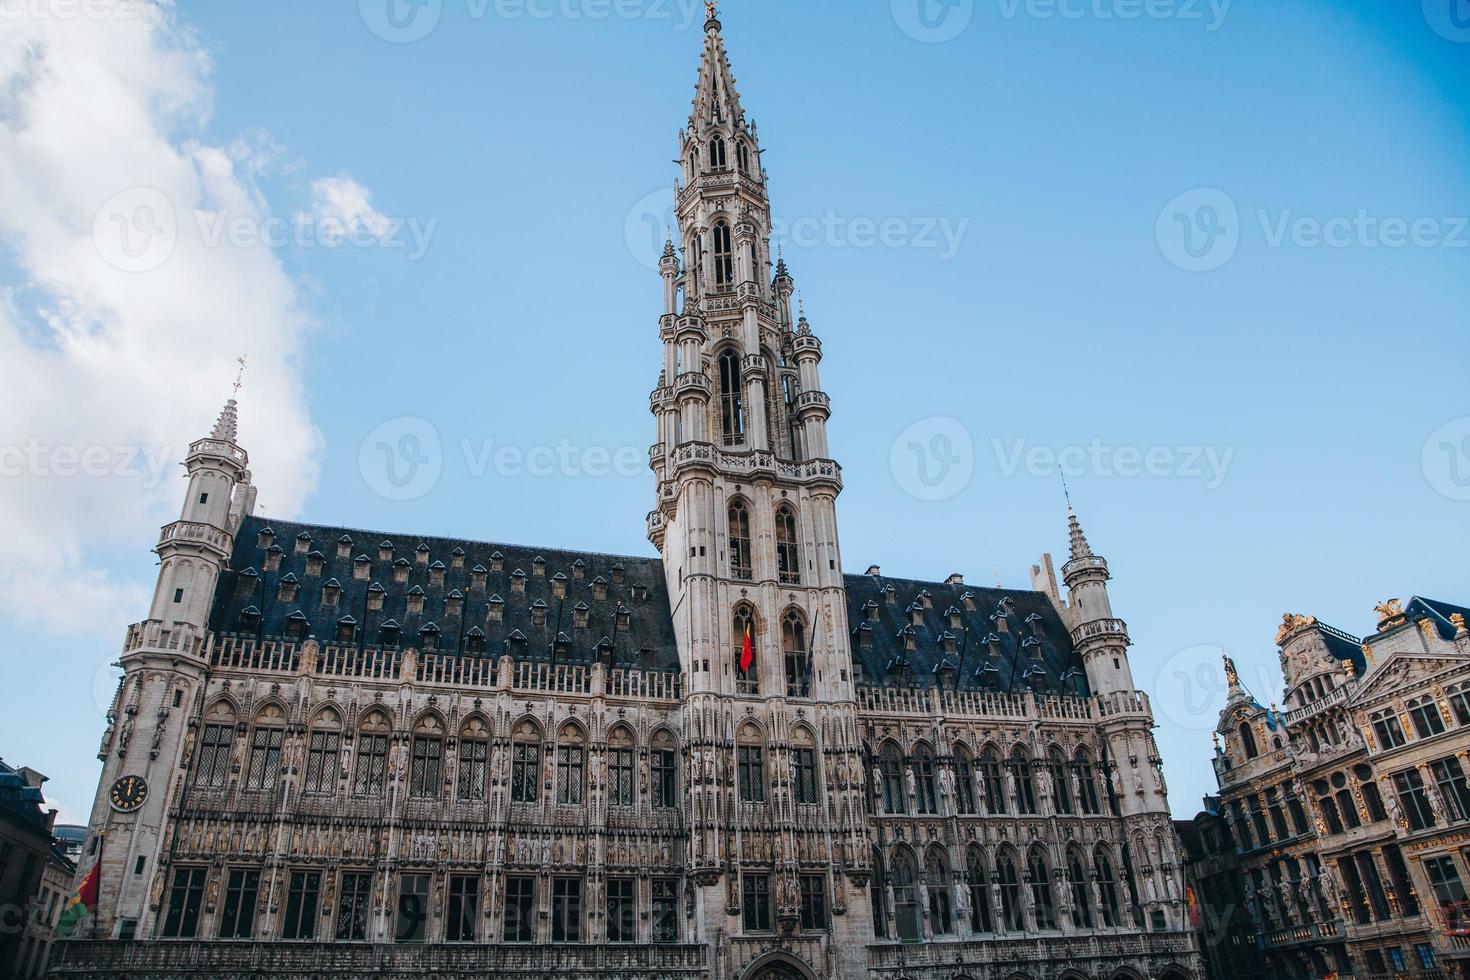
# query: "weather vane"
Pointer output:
{"type": "Point", "coordinates": [239, 375]}
{"type": "Point", "coordinates": [711, 8]}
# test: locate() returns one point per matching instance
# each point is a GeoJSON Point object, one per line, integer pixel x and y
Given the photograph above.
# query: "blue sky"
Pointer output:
{"type": "Point", "coordinates": [1291, 370]}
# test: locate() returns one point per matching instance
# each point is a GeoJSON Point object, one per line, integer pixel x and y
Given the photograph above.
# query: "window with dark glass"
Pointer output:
{"type": "Point", "coordinates": [1107, 887]}
{"type": "Point", "coordinates": [755, 895]}
{"type": "Point", "coordinates": [1041, 896]}
{"type": "Point", "coordinates": [746, 681]}
{"type": "Point", "coordinates": [426, 771]}
{"type": "Point", "coordinates": [1389, 733]}
{"type": "Point", "coordinates": [804, 762]}
{"type": "Point", "coordinates": [242, 890]}
{"type": "Point", "coordinates": [214, 755]}
{"type": "Point", "coordinates": [752, 772]}
{"type": "Point", "coordinates": [622, 911]}
{"type": "Point", "coordinates": [185, 898]}
{"type": "Point", "coordinates": [464, 907]}
{"type": "Point", "coordinates": [1061, 785]}
{"type": "Point", "coordinates": [788, 558]}
{"type": "Point", "coordinates": [732, 419]}
{"type": "Point", "coordinates": [1426, 718]}
{"type": "Point", "coordinates": [354, 902]}
{"type": "Point", "coordinates": [520, 910]}
{"type": "Point", "coordinates": [371, 774]}
{"type": "Point", "coordinates": [302, 893]}
{"type": "Point", "coordinates": [964, 783]}
{"type": "Point", "coordinates": [1450, 777]}
{"type": "Point", "coordinates": [566, 910]}
{"type": "Point", "coordinates": [265, 758]}
{"type": "Point", "coordinates": [995, 791]}
{"type": "Point", "coordinates": [665, 910]}
{"type": "Point", "coordinates": [1010, 894]}
{"type": "Point", "coordinates": [813, 903]}
{"type": "Point", "coordinates": [664, 785]}
{"type": "Point", "coordinates": [525, 773]}
{"type": "Point", "coordinates": [1087, 786]}
{"type": "Point", "coordinates": [411, 921]}
{"type": "Point", "coordinates": [794, 655]}
{"type": "Point", "coordinates": [1414, 799]}
{"type": "Point", "coordinates": [322, 752]}
{"type": "Point", "coordinates": [1025, 790]}
{"type": "Point", "coordinates": [620, 777]}
{"type": "Point", "coordinates": [724, 255]}
{"type": "Point", "coordinates": [474, 756]}
{"type": "Point", "coordinates": [739, 516]}
{"type": "Point", "coordinates": [569, 768]}
{"type": "Point", "coordinates": [1081, 900]}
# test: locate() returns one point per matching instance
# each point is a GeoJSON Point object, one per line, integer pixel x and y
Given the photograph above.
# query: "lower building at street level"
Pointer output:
{"type": "Point", "coordinates": [341, 753]}
{"type": "Point", "coordinates": [1340, 839]}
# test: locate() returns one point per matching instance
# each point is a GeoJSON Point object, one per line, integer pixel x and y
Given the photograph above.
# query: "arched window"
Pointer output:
{"type": "Point", "coordinates": [890, 764]}
{"type": "Point", "coordinates": [923, 767]}
{"type": "Point", "coordinates": [1060, 780]}
{"type": "Point", "coordinates": [1248, 740]}
{"type": "Point", "coordinates": [216, 745]}
{"type": "Point", "coordinates": [732, 411]}
{"type": "Point", "coordinates": [1020, 768]}
{"type": "Point", "coordinates": [717, 153]}
{"type": "Point", "coordinates": [746, 681]}
{"type": "Point", "coordinates": [724, 255]}
{"type": "Point", "coordinates": [879, 893]}
{"type": "Point", "coordinates": [750, 758]}
{"type": "Point", "coordinates": [1041, 896]}
{"type": "Point", "coordinates": [905, 898]}
{"type": "Point", "coordinates": [323, 748]}
{"type": "Point", "coordinates": [979, 891]}
{"type": "Point", "coordinates": [1086, 783]}
{"type": "Point", "coordinates": [994, 780]}
{"type": "Point", "coordinates": [571, 756]}
{"type": "Point", "coordinates": [265, 748]}
{"type": "Point", "coordinates": [936, 879]}
{"type": "Point", "coordinates": [1107, 888]}
{"type": "Point", "coordinates": [371, 774]}
{"type": "Point", "coordinates": [739, 520]}
{"type": "Point", "coordinates": [742, 157]}
{"type": "Point", "coordinates": [796, 656]}
{"type": "Point", "coordinates": [426, 769]}
{"type": "Point", "coordinates": [474, 756]}
{"type": "Point", "coordinates": [1081, 900]}
{"type": "Point", "coordinates": [964, 780]}
{"type": "Point", "coordinates": [1009, 883]}
{"type": "Point", "coordinates": [525, 759]}
{"type": "Point", "coordinates": [788, 557]}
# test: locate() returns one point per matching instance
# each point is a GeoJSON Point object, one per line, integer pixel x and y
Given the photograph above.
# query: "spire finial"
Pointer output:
{"type": "Point", "coordinates": [1080, 548]}
{"type": "Point", "coordinates": [712, 16]}
{"type": "Point", "coordinates": [239, 375]}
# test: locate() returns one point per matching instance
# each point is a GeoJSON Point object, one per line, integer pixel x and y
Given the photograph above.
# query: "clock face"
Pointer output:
{"type": "Point", "coordinates": [128, 793]}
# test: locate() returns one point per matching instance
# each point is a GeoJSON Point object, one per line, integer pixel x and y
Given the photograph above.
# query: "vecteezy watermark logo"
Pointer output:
{"type": "Point", "coordinates": [149, 14]}
{"type": "Point", "coordinates": [38, 460]}
{"type": "Point", "coordinates": [1191, 688]}
{"type": "Point", "coordinates": [1207, 464]}
{"type": "Point", "coordinates": [933, 21]}
{"type": "Point", "coordinates": [1211, 13]}
{"type": "Point", "coordinates": [1446, 459]}
{"type": "Point", "coordinates": [1199, 230]}
{"type": "Point", "coordinates": [136, 230]}
{"type": "Point", "coordinates": [1449, 18]}
{"type": "Point", "coordinates": [934, 458]}
{"type": "Point", "coordinates": [648, 226]}
{"type": "Point", "coordinates": [401, 21]}
{"type": "Point", "coordinates": [402, 459]}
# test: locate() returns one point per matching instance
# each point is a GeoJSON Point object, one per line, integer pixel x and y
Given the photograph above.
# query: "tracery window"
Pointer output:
{"type": "Point", "coordinates": [732, 417]}
{"type": "Point", "coordinates": [788, 558]}
{"type": "Point", "coordinates": [739, 522]}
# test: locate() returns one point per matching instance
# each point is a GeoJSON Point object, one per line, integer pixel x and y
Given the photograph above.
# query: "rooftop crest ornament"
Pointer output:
{"type": "Point", "coordinates": [1290, 623]}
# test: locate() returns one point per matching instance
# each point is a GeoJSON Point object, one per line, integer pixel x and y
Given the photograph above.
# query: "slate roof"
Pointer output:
{"type": "Point", "coordinates": [19, 800]}
{"type": "Point", "coordinates": [1016, 639]}
{"type": "Point", "coordinates": [1439, 612]}
{"type": "Point", "coordinates": [645, 640]}
{"type": "Point", "coordinates": [1032, 650]}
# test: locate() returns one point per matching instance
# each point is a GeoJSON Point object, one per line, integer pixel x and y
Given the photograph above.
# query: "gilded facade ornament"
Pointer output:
{"type": "Point", "coordinates": [1390, 613]}
{"type": "Point", "coordinates": [1291, 623]}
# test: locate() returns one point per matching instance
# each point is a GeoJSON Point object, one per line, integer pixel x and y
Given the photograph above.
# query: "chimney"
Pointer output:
{"type": "Point", "coordinates": [874, 571]}
{"type": "Point", "coordinates": [957, 578]}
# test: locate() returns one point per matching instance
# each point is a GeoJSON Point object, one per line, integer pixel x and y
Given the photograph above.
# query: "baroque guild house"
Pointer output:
{"type": "Point", "coordinates": [336, 753]}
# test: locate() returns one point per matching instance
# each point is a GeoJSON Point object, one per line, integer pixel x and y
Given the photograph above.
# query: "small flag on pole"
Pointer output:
{"type": "Point", "coordinates": [747, 651]}
{"type": "Point", "coordinates": [81, 904]}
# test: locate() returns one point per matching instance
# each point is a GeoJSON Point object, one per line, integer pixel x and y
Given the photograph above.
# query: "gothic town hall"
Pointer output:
{"type": "Point", "coordinates": [341, 753]}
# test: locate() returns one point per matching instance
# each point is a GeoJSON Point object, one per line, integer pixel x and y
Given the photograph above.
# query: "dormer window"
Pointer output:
{"type": "Point", "coordinates": [475, 641]}
{"type": "Point", "coordinates": [579, 616]}
{"type": "Point", "coordinates": [538, 567]}
{"type": "Point", "coordinates": [515, 644]}
{"type": "Point", "coordinates": [246, 582]}
{"type": "Point", "coordinates": [969, 601]}
{"type": "Point", "coordinates": [559, 586]}
{"type": "Point", "coordinates": [640, 592]}
{"type": "Point", "coordinates": [477, 577]}
{"type": "Point", "coordinates": [599, 589]}
{"type": "Point", "coordinates": [385, 551]}
{"type": "Point", "coordinates": [454, 603]}
{"type": "Point", "coordinates": [518, 581]}
{"type": "Point", "coordinates": [1032, 644]}
{"type": "Point", "coordinates": [288, 589]}
{"type": "Point", "coordinates": [249, 619]}
{"type": "Point", "coordinates": [916, 614]}
{"type": "Point", "coordinates": [870, 611]}
{"type": "Point", "coordinates": [947, 642]}
{"type": "Point", "coordinates": [346, 629]}
{"type": "Point", "coordinates": [436, 573]}
{"type": "Point", "coordinates": [389, 633]}
{"type": "Point", "coordinates": [331, 593]}
{"type": "Point", "coordinates": [1034, 621]}
{"type": "Point", "coordinates": [890, 595]}
{"type": "Point", "coordinates": [376, 594]}
{"type": "Point", "coordinates": [495, 609]}
{"type": "Point", "coordinates": [926, 599]}
{"type": "Point", "coordinates": [955, 620]}
{"type": "Point", "coordinates": [415, 600]}
{"type": "Point", "coordinates": [865, 637]}
{"type": "Point", "coordinates": [579, 570]}
{"type": "Point", "coordinates": [303, 543]}
{"type": "Point", "coordinates": [561, 646]}
{"type": "Point", "coordinates": [617, 573]}
{"type": "Point", "coordinates": [314, 563]}
{"type": "Point", "coordinates": [497, 562]}
{"type": "Point", "coordinates": [272, 558]}
{"type": "Point", "coordinates": [456, 559]}
{"type": "Point", "coordinates": [265, 538]}
{"type": "Point", "coordinates": [362, 568]}
{"type": "Point", "coordinates": [909, 638]}
{"type": "Point", "coordinates": [624, 616]}
{"type": "Point", "coordinates": [429, 637]}
{"type": "Point", "coordinates": [344, 547]}
{"type": "Point", "coordinates": [421, 554]}
{"type": "Point", "coordinates": [400, 570]}
{"type": "Point", "coordinates": [296, 625]}
{"type": "Point", "coordinates": [538, 613]}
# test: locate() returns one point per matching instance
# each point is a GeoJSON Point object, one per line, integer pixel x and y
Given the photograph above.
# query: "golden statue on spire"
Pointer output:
{"type": "Point", "coordinates": [712, 8]}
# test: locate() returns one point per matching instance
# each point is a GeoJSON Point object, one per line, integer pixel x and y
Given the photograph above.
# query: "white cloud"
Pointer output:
{"type": "Point", "coordinates": [120, 337]}
{"type": "Point", "coordinates": [343, 202]}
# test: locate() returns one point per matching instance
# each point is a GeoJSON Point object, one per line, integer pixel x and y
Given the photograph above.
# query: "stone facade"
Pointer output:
{"type": "Point", "coordinates": [434, 757]}
{"type": "Point", "coordinates": [32, 873]}
{"type": "Point", "coordinates": [1350, 809]}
